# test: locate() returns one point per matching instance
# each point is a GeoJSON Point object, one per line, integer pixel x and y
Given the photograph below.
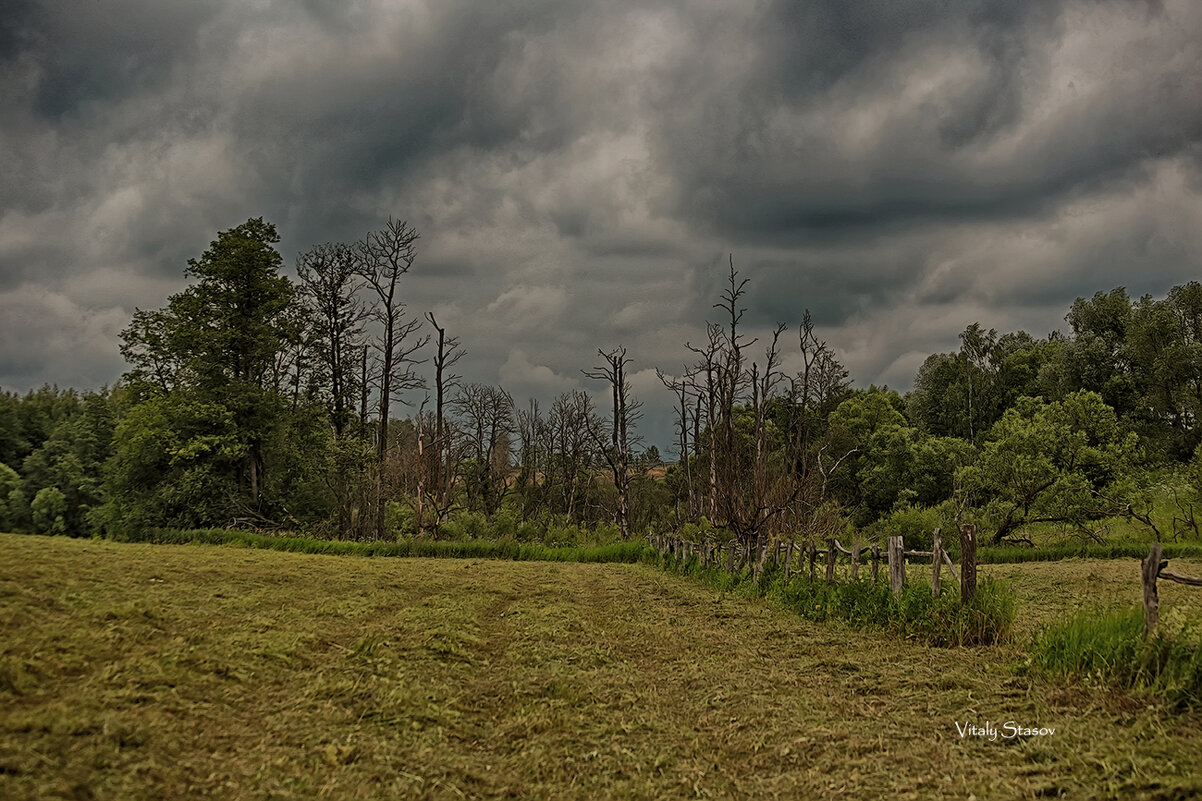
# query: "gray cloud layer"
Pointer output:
{"type": "Point", "coordinates": [579, 171]}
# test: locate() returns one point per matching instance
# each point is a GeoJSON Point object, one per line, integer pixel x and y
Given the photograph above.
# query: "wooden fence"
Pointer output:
{"type": "Point", "coordinates": [735, 557]}
{"type": "Point", "coordinates": [1153, 568]}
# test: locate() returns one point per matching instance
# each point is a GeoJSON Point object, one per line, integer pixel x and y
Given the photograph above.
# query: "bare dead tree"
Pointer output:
{"type": "Point", "coordinates": [679, 387]}
{"type": "Point", "coordinates": [381, 259]}
{"type": "Point", "coordinates": [486, 416]}
{"type": "Point", "coordinates": [532, 471]}
{"type": "Point", "coordinates": [817, 387]}
{"type": "Point", "coordinates": [441, 470]}
{"type": "Point", "coordinates": [624, 416]}
{"type": "Point", "coordinates": [759, 478]}
{"type": "Point", "coordinates": [704, 381]}
{"type": "Point", "coordinates": [573, 429]}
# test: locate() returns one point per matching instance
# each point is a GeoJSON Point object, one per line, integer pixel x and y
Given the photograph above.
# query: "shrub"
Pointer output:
{"type": "Point", "coordinates": [49, 509]}
{"type": "Point", "coordinates": [400, 519]}
{"type": "Point", "coordinates": [916, 524]}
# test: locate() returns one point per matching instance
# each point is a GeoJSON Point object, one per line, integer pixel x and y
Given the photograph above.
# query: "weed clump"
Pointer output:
{"type": "Point", "coordinates": [865, 604]}
{"type": "Point", "coordinates": [1110, 649]}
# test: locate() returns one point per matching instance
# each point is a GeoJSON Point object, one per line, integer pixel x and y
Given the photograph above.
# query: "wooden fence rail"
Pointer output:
{"type": "Point", "coordinates": [1153, 568]}
{"type": "Point", "coordinates": [740, 556]}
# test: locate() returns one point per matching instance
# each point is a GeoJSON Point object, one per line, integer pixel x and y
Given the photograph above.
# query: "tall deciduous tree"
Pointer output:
{"type": "Point", "coordinates": [230, 325]}
{"type": "Point", "coordinates": [329, 285]}
{"type": "Point", "coordinates": [208, 362]}
{"type": "Point", "coordinates": [1058, 462]}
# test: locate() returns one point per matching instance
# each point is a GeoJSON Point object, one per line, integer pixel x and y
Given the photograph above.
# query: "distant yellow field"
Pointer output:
{"type": "Point", "coordinates": [132, 671]}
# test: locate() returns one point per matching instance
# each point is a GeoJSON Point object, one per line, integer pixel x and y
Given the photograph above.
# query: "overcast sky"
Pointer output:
{"type": "Point", "coordinates": [579, 172]}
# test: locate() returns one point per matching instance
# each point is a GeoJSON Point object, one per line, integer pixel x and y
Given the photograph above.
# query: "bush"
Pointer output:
{"type": "Point", "coordinates": [917, 525]}
{"type": "Point", "coordinates": [400, 519]}
{"type": "Point", "coordinates": [1110, 649]}
{"type": "Point", "coordinates": [49, 509]}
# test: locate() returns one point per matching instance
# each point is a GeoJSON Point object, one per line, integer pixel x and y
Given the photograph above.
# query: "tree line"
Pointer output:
{"type": "Point", "coordinates": [258, 401]}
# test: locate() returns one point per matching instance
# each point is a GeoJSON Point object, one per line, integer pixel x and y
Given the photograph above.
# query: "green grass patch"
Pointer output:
{"type": "Point", "coordinates": [864, 604]}
{"type": "Point", "coordinates": [1109, 648]}
{"type": "Point", "coordinates": [436, 549]}
{"type": "Point", "coordinates": [1013, 554]}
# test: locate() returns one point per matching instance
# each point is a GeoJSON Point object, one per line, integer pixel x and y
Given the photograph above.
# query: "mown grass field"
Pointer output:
{"type": "Point", "coordinates": [139, 671]}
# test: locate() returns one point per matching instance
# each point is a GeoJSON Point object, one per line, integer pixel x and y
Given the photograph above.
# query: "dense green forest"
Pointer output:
{"type": "Point", "coordinates": [257, 401]}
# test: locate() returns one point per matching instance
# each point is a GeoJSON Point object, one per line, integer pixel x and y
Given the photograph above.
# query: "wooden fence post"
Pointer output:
{"type": "Point", "coordinates": [968, 562]}
{"type": "Point", "coordinates": [1150, 570]}
{"type": "Point", "coordinates": [830, 560]}
{"type": "Point", "coordinates": [813, 555]}
{"type": "Point", "coordinates": [855, 559]}
{"type": "Point", "coordinates": [730, 558]}
{"type": "Point", "coordinates": [789, 560]}
{"type": "Point", "coordinates": [876, 562]}
{"type": "Point", "coordinates": [897, 565]}
{"type": "Point", "coordinates": [936, 561]}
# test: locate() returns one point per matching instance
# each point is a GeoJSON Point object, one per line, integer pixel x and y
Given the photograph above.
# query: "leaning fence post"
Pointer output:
{"type": "Point", "coordinates": [1150, 571]}
{"type": "Point", "coordinates": [968, 562]}
{"type": "Point", "coordinates": [897, 565]}
{"type": "Point", "coordinates": [936, 561]}
{"type": "Point", "coordinates": [789, 560]}
{"type": "Point", "coordinates": [830, 560]}
{"type": "Point", "coordinates": [876, 562]}
{"type": "Point", "coordinates": [855, 560]}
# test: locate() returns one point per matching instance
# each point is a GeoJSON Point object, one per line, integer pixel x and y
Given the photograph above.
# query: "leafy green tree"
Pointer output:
{"type": "Point", "coordinates": [10, 482]}
{"type": "Point", "coordinates": [893, 462]}
{"type": "Point", "coordinates": [1099, 359]}
{"type": "Point", "coordinates": [211, 357]}
{"type": "Point", "coordinates": [13, 447]}
{"type": "Point", "coordinates": [18, 510]}
{"type": "Point", "coordinates": [1164, 343]}
{"type": "Point", "coordinates": [329, 286]}
{"type": "Point", "coordinates": [1060, 462]}
{"type": "Point", "coordinates": [962, 394]}
{"type": "Point", "coordinates": [72, 460]}
{"type": "Point", "coordinates": [937, 403]}
{"type": "Point", "coordinates": [49, 511]}
{"type": "Point", "coordinates": [175, 465]}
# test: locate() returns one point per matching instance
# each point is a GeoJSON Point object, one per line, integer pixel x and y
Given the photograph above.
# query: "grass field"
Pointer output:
{"type": "Point", "coordinates": [139, 671]}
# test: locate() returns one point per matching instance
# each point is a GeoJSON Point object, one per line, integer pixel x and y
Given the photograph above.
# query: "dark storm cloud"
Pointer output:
{"type": "Point", "coordinates": [580, 173]}
{"type": "Point", "coordinates": [89, 55]}
{"type": "Point", "coordinates": [776, 155]}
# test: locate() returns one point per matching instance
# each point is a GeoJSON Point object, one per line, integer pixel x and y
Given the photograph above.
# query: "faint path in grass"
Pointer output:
{"type": "Point", "coordinates": [203, 672]}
